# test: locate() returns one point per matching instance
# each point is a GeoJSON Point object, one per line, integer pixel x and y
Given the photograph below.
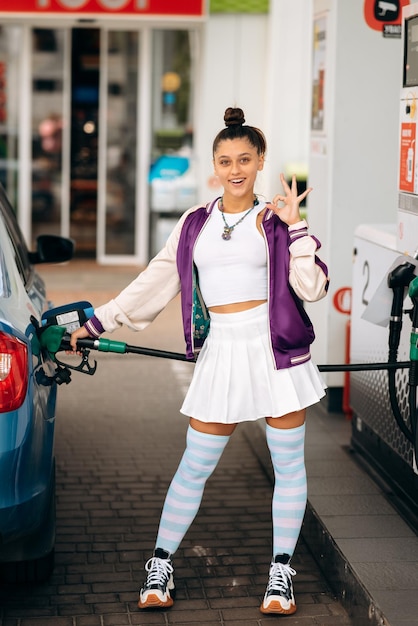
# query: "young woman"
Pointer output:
{"type": "Point", "coordinates": [243, 268]}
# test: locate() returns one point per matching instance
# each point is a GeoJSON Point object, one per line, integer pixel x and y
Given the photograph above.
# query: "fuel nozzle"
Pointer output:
{"type": "Point", "coordinates": [413, 370]}
{"type": "Point", "coordinates": [398, 280]}
{"type": "Point", "coordinates": [413, 294]}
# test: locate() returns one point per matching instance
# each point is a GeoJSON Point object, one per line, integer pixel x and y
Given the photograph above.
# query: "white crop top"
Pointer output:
{"type": "Point", "coordinates": [234, 270]}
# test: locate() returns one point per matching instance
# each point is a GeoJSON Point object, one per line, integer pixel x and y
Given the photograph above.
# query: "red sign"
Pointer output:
{"type": "Point", "coordinates": [121, 7]}
{"type": "Point", "coordinates": [342, 300]}
{"type": "Point", "coordinates": [380, 12]}
{"type": "Point", "coordinates": [407, 157]}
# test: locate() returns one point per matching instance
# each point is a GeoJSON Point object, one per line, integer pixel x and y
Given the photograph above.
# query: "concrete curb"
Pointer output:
{"type": "Point", "coordinates": [341, 577]}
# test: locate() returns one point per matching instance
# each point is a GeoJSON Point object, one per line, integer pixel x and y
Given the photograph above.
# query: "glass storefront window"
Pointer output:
{"type": "Point", "coordinates": [172, 177]}
{"type": "Point", "coordinates": [85, 130]}
{"type": "Point", "coordinates": [78, 139]}
{"type": "Point", "coordinates": [10, 46]}
{"type": "Point", "coordinates": [171, 90]}
{"type": "Point", "coordinates": [121, 161]}
{"type": "Point", "coordinates": [47, 129]}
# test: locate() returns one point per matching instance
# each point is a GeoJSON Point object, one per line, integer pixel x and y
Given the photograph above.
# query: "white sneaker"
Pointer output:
{"type": "Point", "coordinates": [279, 596]}
{"type": "Point", "coordinates": [158, 590]}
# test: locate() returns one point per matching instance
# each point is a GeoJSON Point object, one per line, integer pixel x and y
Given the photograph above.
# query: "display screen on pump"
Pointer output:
{"type": "Point", "coordinates": [410, 76]}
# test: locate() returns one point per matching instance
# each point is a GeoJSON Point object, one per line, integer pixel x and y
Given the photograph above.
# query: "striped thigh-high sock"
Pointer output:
{"type": "Point", "coordinates": [290, 489]}
{"type": "Point", "coordinates": [184, 495]}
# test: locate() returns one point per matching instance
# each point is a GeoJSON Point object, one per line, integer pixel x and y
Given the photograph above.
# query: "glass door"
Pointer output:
{"type": "Point", "coordinates": [84, 138]}
{"type": "Point", "coordinates": [11, 38]}
{"type": "Point", "coordinates": [172, 179]}
{"type": "Point", "coordinates": [49, 131]}
{"type": "Point", "coordinates": [85, 77]}
{"type": "Point", "coordinates": [96, 133]}
{"type": "Point", "coordinates": [118, 162]}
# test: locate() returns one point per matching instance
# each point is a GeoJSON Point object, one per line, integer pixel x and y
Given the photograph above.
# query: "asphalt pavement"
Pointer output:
{"type": "Point", "coordinates": [119, 438]}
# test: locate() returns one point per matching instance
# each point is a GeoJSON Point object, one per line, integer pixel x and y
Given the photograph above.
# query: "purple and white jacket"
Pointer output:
{"type": "Point", "coordinates": [295, 274]}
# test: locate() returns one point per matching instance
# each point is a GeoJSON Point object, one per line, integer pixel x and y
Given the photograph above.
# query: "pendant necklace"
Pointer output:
{"type": "Point", "coordinates": [226, 235]}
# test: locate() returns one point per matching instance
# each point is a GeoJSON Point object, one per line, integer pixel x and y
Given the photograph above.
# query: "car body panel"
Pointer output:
{"type": "Point", "coordinates": [27, 465]}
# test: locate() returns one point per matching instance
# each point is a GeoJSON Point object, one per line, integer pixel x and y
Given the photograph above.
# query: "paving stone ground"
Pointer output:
{"type": "Point", "coordinates": [118, 442]}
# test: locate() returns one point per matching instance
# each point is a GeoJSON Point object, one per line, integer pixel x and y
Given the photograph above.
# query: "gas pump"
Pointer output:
{"type": "Point", "coordinates": [385, 308]}
{"type": "Point", "coordinates": [408, 161]}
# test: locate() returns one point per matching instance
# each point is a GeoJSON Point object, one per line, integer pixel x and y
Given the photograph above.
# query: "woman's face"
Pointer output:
{"type": "Point", "coordinates": [236, 164]}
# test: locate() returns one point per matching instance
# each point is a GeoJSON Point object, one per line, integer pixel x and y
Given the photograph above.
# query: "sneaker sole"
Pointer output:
{"type": "Point", "coordinates": [154, 602]}
{"type": "Point", "coordinates": [276, 607]}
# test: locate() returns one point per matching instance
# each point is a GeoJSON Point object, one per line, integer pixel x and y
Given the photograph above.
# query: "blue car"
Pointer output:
{"type": "Point", "coordinates": [27, 405]}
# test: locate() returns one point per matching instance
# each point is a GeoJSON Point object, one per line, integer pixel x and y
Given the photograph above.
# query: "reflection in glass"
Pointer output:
{"type": "Point", "coordinates": [10, 47]}
{"type": "Point", "coordinates": [173, 184]}
{"type": "Point", "coordinates": [122, 111]}
{"type": "Point", "coordinates": [85, 79]}
{"type": "Point", "coordinates": [47, 127]}
{"type": "Point", "coordinates": [172, 98]}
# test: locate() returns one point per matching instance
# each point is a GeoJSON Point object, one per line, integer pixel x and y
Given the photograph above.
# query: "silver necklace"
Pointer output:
{"type": "Point", "coordinates": [226, 235]}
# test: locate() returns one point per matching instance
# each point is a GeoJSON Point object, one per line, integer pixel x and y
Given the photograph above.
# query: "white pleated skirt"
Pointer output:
{"type": "Point", "coordinates": [234, 379]}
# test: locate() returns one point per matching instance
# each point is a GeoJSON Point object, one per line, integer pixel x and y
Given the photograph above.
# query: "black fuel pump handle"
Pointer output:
{"type": "Point", "coordinates": [398, 280]}
{"type": "Point", "coordinates": [413, 371]}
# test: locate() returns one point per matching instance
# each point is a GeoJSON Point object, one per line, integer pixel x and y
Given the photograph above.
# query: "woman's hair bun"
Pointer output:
{"type": "Point", "coordinates": [234, 117]}
{"type": "Point", "coordinates": [235, 128]}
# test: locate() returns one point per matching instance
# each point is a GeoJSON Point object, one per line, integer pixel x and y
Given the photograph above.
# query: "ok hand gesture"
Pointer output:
{"type": "Point", "coordinates": [289, 213]}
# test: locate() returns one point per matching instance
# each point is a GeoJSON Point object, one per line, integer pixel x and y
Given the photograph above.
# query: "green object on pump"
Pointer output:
{"type": "Point", "coordinates": [413, 294]}
{"type": "Point", "coordinates": [413, 288]}
{"type": "Point", "coordinates": [51, 338]}
{"type": "Point", "coordinates": [413, 352]}
{"type": "Point", "coordinates": [108, 345]}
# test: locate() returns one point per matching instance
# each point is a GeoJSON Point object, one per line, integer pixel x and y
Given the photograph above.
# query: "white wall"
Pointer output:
{"type": "Point", "coordinates": [233, 74]}
{"type": "Point", "coordinates": [288, 95]}
{"type": "Point", "coordinates": [260, 63]}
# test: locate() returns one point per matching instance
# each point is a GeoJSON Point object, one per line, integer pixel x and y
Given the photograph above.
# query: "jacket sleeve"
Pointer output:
{"type": "Point", "coordinates": [308, 275]}
{"type": "Point", "coordinates": [146, 296]}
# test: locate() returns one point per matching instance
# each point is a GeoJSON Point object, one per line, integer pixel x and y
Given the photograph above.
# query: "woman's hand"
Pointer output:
{"type": "Point", "coordinates": [289, 213]}
{"type": "Point", "coordinates": [80, 333]}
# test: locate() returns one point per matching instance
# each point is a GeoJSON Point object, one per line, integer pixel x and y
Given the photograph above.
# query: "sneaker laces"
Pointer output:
{"type": "Point", "coordinates": [159, 571]}
{"type": "Point", "coordinates": [279, 577]}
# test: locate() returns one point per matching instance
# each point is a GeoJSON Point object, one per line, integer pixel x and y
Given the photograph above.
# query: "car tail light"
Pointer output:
{"type": "Point", "coordinates": [13, 372]}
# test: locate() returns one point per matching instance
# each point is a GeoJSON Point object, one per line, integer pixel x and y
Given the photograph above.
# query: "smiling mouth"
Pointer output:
{"type": "Point", "coordinates": [237, 181]}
